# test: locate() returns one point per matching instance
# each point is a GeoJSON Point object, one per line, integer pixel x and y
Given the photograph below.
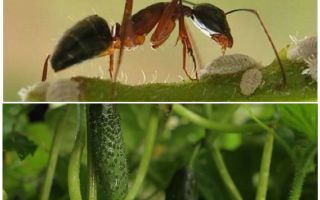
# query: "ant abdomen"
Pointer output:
{"type": "Point", "coordinates": [86, 39]}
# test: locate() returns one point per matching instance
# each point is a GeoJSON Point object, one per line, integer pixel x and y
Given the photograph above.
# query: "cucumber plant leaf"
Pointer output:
{"type": "Point", "coordinates": [300, 118]}
{"type": "Point", "coordinates": [20, 144]}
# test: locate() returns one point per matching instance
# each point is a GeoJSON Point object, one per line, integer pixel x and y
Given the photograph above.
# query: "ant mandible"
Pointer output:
{"type": "Point", "coordinates": [92, 37]}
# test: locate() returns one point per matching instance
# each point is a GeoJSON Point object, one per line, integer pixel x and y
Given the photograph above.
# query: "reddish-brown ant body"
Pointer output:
{"type": "Point", "coordinates": [92, 37]}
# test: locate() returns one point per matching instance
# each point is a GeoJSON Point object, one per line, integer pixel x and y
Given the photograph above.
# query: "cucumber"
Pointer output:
{"type": "Point", "coordinates": [109, 158]}
{"type": "Point", "coordinates": [182, 185]}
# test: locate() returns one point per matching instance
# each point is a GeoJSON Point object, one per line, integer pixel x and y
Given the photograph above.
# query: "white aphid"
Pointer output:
{"type": "Point", "coordinates": [305, 50]}
{"type": "Point", "coordinates": [63, 90]}
{"type": "Point", "coordinates": [36, 90]}
{"type": "Point", "coordinates": [229, 64]}
{"type": "Point", "coordinates": [250, 81]}
{"type": "Point", "coordinates": [312, 69]}
{"type": "Point", "coordinates": [302, 49]}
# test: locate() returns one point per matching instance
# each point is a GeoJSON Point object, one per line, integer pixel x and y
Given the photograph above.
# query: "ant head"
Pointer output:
{"type": "Point", "coordinates": [212, 21]}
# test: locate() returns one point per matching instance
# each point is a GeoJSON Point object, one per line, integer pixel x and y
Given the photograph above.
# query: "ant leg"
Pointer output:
{"type": "Point", "coordinates": [45, 69]}
{"type": "Point", "coordinates": [111, 62]}
{"type": "Point", "coordinates": [195, 51]}
{"type": "Point", "coordinates": [183, 35]}
{"type": "Point", "coordinates": [284, 79]}
{"type": "Point", "coordinates": [123, 33]}
{"type": "Point", "coordinates": [165, 25]}
{"type": "Point", "coordinates": [184, 52]}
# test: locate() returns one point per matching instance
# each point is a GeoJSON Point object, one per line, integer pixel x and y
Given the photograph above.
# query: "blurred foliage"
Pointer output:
{"type": "Point", "coordinates": [177, 138]}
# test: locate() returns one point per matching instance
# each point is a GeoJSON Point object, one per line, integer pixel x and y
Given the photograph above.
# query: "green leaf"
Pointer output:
{"type": "Point", "coordinates": [21, 144]}
{"type": "Point", "coordinates": [301, 118]}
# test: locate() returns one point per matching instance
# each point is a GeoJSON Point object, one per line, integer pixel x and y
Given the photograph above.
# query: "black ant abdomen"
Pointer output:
{"type": "Point", "coordinates": [86, 39]}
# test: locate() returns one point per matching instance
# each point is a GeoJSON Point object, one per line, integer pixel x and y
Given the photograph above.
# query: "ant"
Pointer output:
{"type": "Point", "coordinates": [92, 37]}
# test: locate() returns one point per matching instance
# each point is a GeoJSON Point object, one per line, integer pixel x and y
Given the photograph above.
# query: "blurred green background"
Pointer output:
{"type": "Point", "coordinates": [32, 28]}
{"type": "Point", "coordinates": [28, 132]}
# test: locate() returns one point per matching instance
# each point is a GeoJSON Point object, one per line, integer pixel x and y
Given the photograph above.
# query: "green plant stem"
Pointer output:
{"type": "Point", "coordinates": [265, 167]}
{"type": "Point", "coordinates": [220, 164]}
{"type": "Point", "coordinates": [222, 128]}
{"type": "Point", "coordinates": [224, 173]}
{"type": "Point", "coordinates": [75, 158]}
{"type": "Point", "coordinates": [266, 158]}
{"type": "Point", "coordinates": [300, 173]}
{"type": "Point", "coordinates": [54, 153]}
{"type": "Point", "coordinates": [92, 179]}
{"type": "Point", "coordinates": [144, 164]}
{"type": "Point", "coordinates": [194, 155]}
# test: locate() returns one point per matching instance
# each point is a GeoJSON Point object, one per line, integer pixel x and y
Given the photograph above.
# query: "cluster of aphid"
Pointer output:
{"type": "Point", "coordinates": [92, 37]}
{"type": "Point", "coordinates": [237, 63]}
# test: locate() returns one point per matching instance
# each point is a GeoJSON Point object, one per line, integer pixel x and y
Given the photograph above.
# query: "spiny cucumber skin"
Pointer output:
{"type": "Point", "coordinates": [108, 150]}
{"type": "Point", "coordinates": [182, 186]}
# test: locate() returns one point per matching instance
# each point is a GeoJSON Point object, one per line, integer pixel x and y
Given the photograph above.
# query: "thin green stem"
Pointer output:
{"type": "Point", "coordinates": [92, 179]}
{"type": "Point", "coordinates": [54, 153]}
{"type": "Point", "coordinates": [265, 168]}
{"type": "Point", "coordinates": [265, 160]}
{"type": "Point", "coordinates": [194, 155]}
{"type": "Point", "coordinates": [222, 128]}
{"type": "Point", "coordinates": [301, 172]}
{"type": "Point", "coordinates": [144, 164]}
{"type": "Point", "coordinates": [75, 158]}
{"type": "Point", "coordinates": [219, 162]}
{"type": "Point", "coordinates": [224, 173]}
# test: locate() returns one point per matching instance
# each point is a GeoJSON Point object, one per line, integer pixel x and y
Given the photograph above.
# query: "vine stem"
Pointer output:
{"type": "Point", "coordinates": [144, 164]}
{"type": "Point", "coordinates": [265, 168]}
{"type": "Point", "coordinates": [75, 158]}
{"type": "Point", "coordinates": [300, 173]}
{"type": "Point", "coordinates": [266, 158]}
{"type": "Point", "coordinates": [194, 155]}
{"type": "Point", "coordinates": [222, 128]}
{"type": "Point", "coordinates": [54, 153]}
{"type": "Point", "coordinates": [220, 164]}
{"type": "Point", "coordinates": [224, 173]}
{"type": "Point", "coordinates": [92, 178]}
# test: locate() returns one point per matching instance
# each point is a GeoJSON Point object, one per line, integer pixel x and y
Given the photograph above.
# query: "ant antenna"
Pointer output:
{"type": "Point", "coordinates": [284, 79]}
{"type": "Point", "coordinates": [189, 2]}
{"type": "Point", "coordinates": [45, 69]}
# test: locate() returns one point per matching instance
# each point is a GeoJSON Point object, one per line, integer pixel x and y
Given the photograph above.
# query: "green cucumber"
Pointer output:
{"type": "Point", "coordinates": [109, 158]}
{"type": "Point", "coordinates": [182, 185]}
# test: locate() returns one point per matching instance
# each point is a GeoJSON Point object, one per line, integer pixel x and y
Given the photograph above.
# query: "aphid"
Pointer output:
{"type": "Point", "coordinates": [303, 49]}
{"type": "Point", "coordinates": [92, 37]}
{"type": "Point", "coordinates": [250, 81]}
{"type": "Point", "coordinates": [251, 78]}
{"type": "Point", "coordinates": [63, 90]}
{"type": "Point", "coordinates": [229, 64]}
{"type": "Point", "coordinates": [312, 69]}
